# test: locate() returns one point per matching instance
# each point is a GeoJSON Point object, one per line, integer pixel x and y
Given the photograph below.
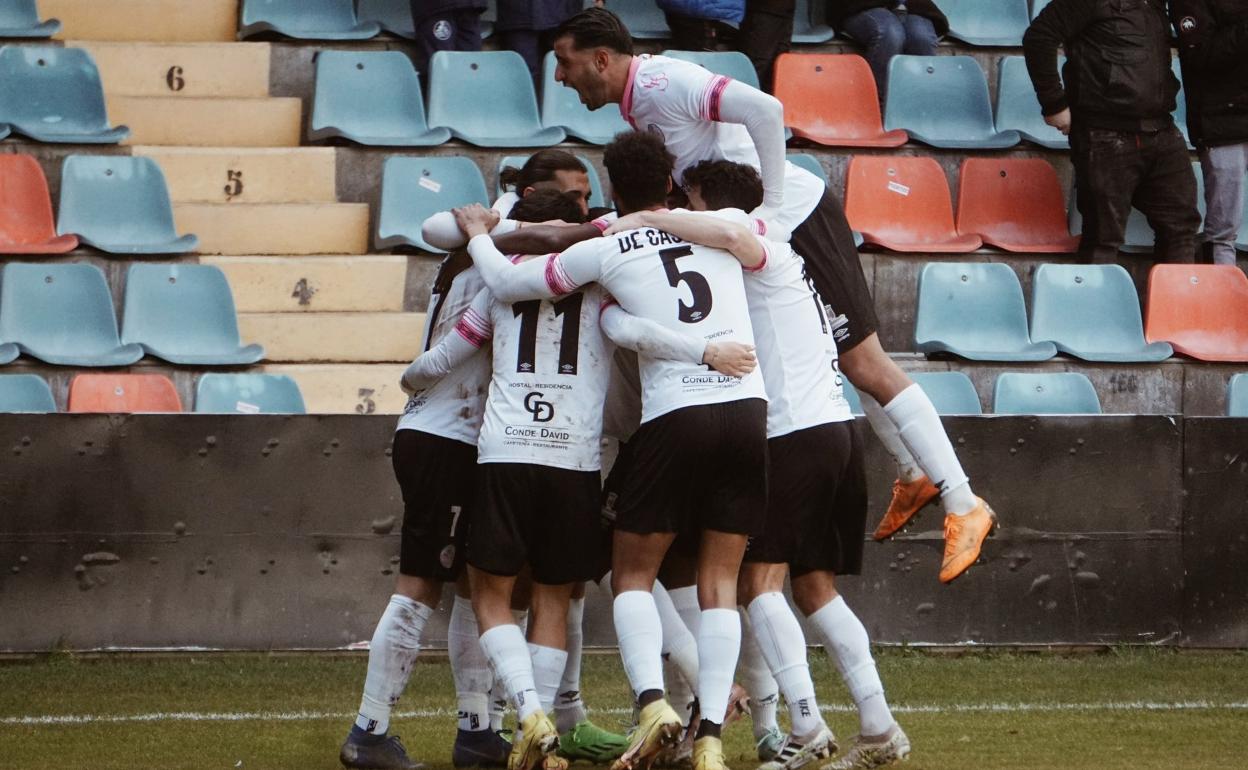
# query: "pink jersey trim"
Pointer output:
{"type": "Point", "coordinates": [607, 302]}
{"type": "Point", "coordinates": [626, 103]}
{"type": "Point", "coordinates": [714, 93]}
{"type": "Point", "coordinates": [602, 223]}
{"type": "Point", "coordinates": [557, 278]}
{"type": "Point", "coordinates": [474, 328]}
{"type": "Point", "coordinates": [763, 264]}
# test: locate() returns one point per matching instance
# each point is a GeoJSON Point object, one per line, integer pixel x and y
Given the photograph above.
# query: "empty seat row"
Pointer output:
{"type": "Point", "coordinates": [63, 314]}
{"type": "Point", "coordinates": [128, 393]}
{"type": "Point", "coordinates": [976, 311]}
{"type": "Point", "coordinates": [53, 94]}
{"type": "Point", "coordinates": [953, 393]}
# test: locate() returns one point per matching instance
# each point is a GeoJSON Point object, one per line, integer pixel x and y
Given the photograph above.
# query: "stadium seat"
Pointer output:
{"type": "Point", "coordinates": [596, 197]}
{"type": "Point", "coordinates": [54, 95]}
{"type": "Point", "coordinates": [1237, 396]}
{"type": "Point", "coordinates": [486, 98]}
{"type": "Point", "coordinates": [974, 310]}
{"type": "Point", "coordinates": [1018, 109]}
{"type": "Point", "coordinates": [62, 314]}
{"type": "Point", "coordinates": [943, 101]}
{"type": "Point", "coordinates": [1180, 105]}
{"type": "Point", "coordinates": [810, 23]}
{"type": "Point", "coordinates": [119, 204]}
{"type": "Point", "coordinates": [831, 99]}
{"type": "Point", "coordinates": [248, 394]}
{"type": "Point", "coordinates": [1014, 204]}
{"type": "Point", "coordinates": [305, 19]}
{"type": "Point", "coordinates": [370, 97]}
{"type": "Point", "coordinates": [123, 394]}
{"type": "Point", "coordinates": [26, 225]}
{"type": "Point", "coordinates": [810, 163]}
{"type": "Point", "coordinates": [1037, 6]}
{"type": "Point", "coordinates": [643, 18]}
{"type": "Point", "coordinates": [184, 314]}
{"type": "Point", "coordinates": [734, 64]}
{"type": "Point", "coordinates": [1091, 312]}
{"type": "Point", "coordinates": [1045, 393]}
{"type": "Point", "coordinates": [1202, 310]}
{"type": "Point", "coordinates": [562, 108]}
{"type": "Point", "coordinates": [949, 392]}
{"type": "Point", "coordinates": [903, 204]}
{"type": "Point", "coordinates": [393, 16]}
{"type": "Point", "coordinates": [20, 18]}
{"type": "Point", "coordinates": [25, 393]}
{"type": "Point", "coordinates": [851, 395]}
{"type": "Point", "coordinates": [987, 22]}
{"type": "Point", "coordinates": [412, 189]}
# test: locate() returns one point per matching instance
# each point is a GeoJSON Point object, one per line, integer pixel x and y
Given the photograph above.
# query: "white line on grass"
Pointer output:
{"type": "Point", "coordinates": [308, 716]}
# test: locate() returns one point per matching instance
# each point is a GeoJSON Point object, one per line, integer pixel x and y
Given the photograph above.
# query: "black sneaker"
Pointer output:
{"type": "Point", "coordinates": [480, 748]}
{"type": "Point", "coordinates": [376, 752]}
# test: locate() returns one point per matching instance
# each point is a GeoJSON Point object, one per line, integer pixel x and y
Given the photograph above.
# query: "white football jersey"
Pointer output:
{"type": "Point", "coordinates": [679, 101]}
{"type": "Point", "coordinates": [550, 370]}
{"type": "Point", "coordinates": [453, 406]}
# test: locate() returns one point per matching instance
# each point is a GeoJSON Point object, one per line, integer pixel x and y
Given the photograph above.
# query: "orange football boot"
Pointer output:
{"type": "Point", "coordinates": [964, 535]}
{"type": "Point", "coordinates": [908, 499]}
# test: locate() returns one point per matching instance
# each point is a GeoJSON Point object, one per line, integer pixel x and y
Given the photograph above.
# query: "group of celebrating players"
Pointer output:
{"type": "Point", "coordinates": [709, 341]}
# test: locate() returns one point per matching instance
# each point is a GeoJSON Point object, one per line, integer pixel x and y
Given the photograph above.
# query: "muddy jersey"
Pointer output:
{"type": "Point", "coordinates": [453, 406]}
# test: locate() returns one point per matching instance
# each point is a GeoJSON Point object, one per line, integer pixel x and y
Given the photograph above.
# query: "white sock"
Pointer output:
{"type": "Point", "coordinates": [391, 653]}
{"type": "Point", "coordinates": [569, 708]}
{"type": "Point", "coordinates": [757, 679]}
{"type": "Point", "coordinates": [920, 428]}
{"type": "Point", "coordinates": [679, 645]}
{"type": "Point", "coordinates": [508, 654]}
{"type": "Point", "coordinates": [548, 665]}
{"type": "Point", "coordinates": [783, 644]}
{"type": "Point", "coordinates": [679, 692]}
{"type": "Point", "coordinates": [640, 635]}
{"type": "Point", "coordinates": [907, 469]}
{"type": "Point", "coordinates": [719, 643]}
{"type": "Point", "coordinates": [685, 601]}
{"type": "Point", "coordinates": [847, 641]}
{"type": "Point", "coordinates": [469, 668]}
{"type": "Point", "coordinates": [498, 705]}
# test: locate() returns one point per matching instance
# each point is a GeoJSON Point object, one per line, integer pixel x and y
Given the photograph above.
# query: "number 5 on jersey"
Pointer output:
{"type": "Point", "coordinates": [697, 283]}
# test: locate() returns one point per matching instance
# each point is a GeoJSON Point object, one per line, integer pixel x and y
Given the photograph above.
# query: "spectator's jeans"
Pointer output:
{"type": "Point", "coordinates": [454, 31]}
{"type": "Point", "coordinates": [1224, 169]}
{"type": "Point", "coordinates": [1150, 170]}
{"type": "Point", "coordinates": [884, 34]}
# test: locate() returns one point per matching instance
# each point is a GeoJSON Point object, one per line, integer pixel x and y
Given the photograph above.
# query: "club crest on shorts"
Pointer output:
{"type": "Point", "coordinates": [447, 557]}
{"type": "Point", "coordinates": [442, 30]}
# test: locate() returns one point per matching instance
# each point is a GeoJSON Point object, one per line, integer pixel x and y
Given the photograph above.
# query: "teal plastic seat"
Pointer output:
{"type": "Point", "coordinates": [248, 394]}
{"type": "Point", "coordinates": [370, 97]}
{"type": "Point", "coordinates": [810, 23]}
{"type": "Point", "coordinates": [184, 314]}
{"type": "Point", "coordinates": [393, 16]}
{"type": "Point", "coordinates": [54, 95]}
{"type": "Point", "coordinates": [1018, 109]}
{"type": "Point", "coordinates": [1139, 237]}
{"type": "Point", "coordinates": [1045, 393]}
{"type": "Point", "coordinates": [62, 314]}
{"type": "Point", "coordinates": [975, 310]}
{"type": "Point", "coordinates": [1237, 396]}
{"type": "Point", "coordinates": [1037, 6]}
{"type": "Point", "coordinates": [413, 189]}
{"type": "Point", "coordinates": [733, 64]}
{"type": "Point", "coordinates": [949, 392]}
{"type": "Point", "coordinates": [486, 98]}
{"type": "Point", "coordinates": [1180, 105]}
{"type": "Point", "coordinates": [25, 393]}
{"type": "Point", "coordinates": [644, 19]}
{"type": "Point", "coordinates": [20, 18]}
{"type": "Point", "coordinates": [1091, 312]}
{"type": "Point", "coordinates": [943, 101]}
{"type": "Point", "coordinates": [851, 395]}
{"type": "Point", "coordinates": [987, 22]}
{"type": "Point", "coordinates": [305, 19]}
{"type": "Point", "coordinates": [119, 204]}
{"type": "Point", "coordinates": [596, 197]}
{"type": "Point", "coordinates": [562, 108]}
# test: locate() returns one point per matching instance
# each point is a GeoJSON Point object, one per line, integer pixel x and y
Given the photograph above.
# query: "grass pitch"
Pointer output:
{"type": "Point", "coordinates": [1119, 709]}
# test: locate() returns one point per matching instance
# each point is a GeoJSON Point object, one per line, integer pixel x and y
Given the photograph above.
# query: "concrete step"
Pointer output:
{"type": "Point", "coordinates": [335, 337]}
{"type": "Point", "coordinates": [247, 174]}
{"type": "Point", "coordinates": [347, 388]}
{"type": "Point", "coordinates": [154, 20]}
{"type": "Point", "coordinates": [276, 228]}
{"type": "Point", "coordinates": [185, 70]}
{"type": "Point", "coordinates": [315, 284]}
{"type": "Point", "coordinates": [208, 122]}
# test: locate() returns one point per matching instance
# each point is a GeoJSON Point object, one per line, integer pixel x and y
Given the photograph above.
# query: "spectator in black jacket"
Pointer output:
{"type": "Point", "coordinates": [1116, 109]}
{"type": "Point", "coordinates": [886, 28]}
{"type": "Point", "coordinates": [445, 25]}
{"type": "Point", "coordinates": [1213, 48]}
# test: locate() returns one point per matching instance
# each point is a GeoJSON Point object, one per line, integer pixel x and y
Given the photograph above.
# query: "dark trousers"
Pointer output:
{"type": "Point", "coordinates": [1150, 170]}
{"type": "Point", "coordinates": [450, 31]}
{"type": "Point", "coordinates": [531, 44]}
{"type": "Point", "coordinates": [764, 36]}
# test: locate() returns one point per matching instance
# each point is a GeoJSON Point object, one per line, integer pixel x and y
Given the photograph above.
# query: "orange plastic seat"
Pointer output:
{"type": "Point", "coordinates": [903, 204]}
{"type": "Point", "coordinates": [26, 225]}
{"type": "Point", "coordinates": [1014, 204]}
{"type": "Point", "coordinates": [1202, 310]}
{"type": "Point", "coordinates": [123, 393]}
{"type": "Point", "coordinates": [832, 99]}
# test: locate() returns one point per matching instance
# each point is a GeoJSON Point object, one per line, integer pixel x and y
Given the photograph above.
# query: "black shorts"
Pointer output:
{"type": "Point", "coordinates": [438, 479]}
{"type": "Point", "coordinates": [548, 518]}
{"type": "Point", "coordinates": [817, 507]}
{"type": "Point", "coordinates": [826, 244]}
{"type": "Point", "coordinates": [698, 468]}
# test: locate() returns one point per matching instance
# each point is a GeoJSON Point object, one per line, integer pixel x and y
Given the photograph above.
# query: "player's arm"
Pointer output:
{"type": "Point", "coordinates": [703, 229]}
{"type": "Point", "coordinates": [471, 332]}
{"type": "Point", "coordinates": [547, 278]}
{"type": "Point", "coordinates": [657, 341]}
{"type": "Point", "coordinates": [441, 232]}
{"type": "Point", "coordinates": [763, 117]}
{"type": "Point", "coordinates": [547, 239]}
